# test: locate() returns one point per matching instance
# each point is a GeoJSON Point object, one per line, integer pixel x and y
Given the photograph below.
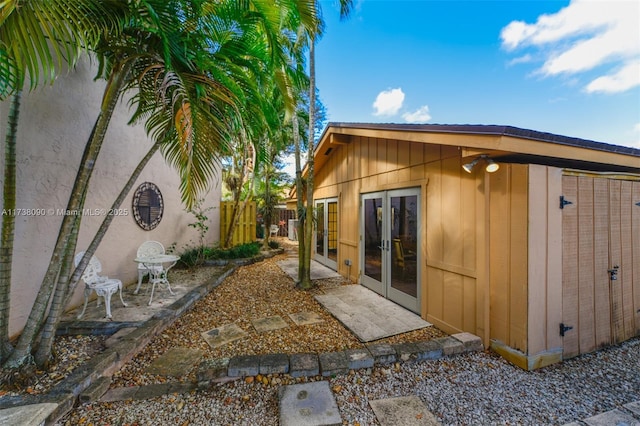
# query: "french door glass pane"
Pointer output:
{"type": "Point", "coordinates": [404, 237]}
{"type": "Point", "coordinates": [320, 229]}
{"type": "Point", "coordinates": [332, 230]}
{"type": "Point", "coordinates": [372, 238]}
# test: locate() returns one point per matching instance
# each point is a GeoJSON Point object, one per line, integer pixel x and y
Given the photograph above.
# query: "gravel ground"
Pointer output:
{"type": "Point", "coordinates": [254, 291]}
{"type": "Point", "coordinates": [479, 388]}
{"type": "Point", "coordinates": [474, 389]}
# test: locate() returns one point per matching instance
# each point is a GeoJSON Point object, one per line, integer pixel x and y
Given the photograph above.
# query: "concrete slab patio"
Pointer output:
{"type": "Point", "coordinates": [318, 271]}
{"type": "Point", "coordinates": [368, 315]}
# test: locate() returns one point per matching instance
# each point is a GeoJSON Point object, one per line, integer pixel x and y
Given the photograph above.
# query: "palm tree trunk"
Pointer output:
{"type": "Point", "coordinates": [8, 223]}
{"type": "Point", "coordinates": [308, 228]}
{"type": "Point", "coordinates": [76, 202]}
{"type": "Point", "coordinates": [299, 197]}
{"type": "Point", "coordinates": [97, 239]}
{"type": "Point", "coordinates": [45, 341]}
{"type": "Point", "coordinates": [66, 287]}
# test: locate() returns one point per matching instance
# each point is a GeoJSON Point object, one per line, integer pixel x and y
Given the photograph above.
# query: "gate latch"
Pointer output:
{"type": "Point", "coordinates": [564, 329]}
{"type": "Point", "coordinates": [613, 273]}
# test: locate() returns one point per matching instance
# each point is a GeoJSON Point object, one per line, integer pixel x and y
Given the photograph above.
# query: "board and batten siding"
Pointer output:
{"type": "Point", "coordinates": [508, 251]}
{"type": "Point", "coordinates": [453, 205]}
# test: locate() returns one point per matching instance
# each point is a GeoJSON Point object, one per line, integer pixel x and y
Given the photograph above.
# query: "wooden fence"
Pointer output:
{"type": "Point", "coordinates": [245, 232]}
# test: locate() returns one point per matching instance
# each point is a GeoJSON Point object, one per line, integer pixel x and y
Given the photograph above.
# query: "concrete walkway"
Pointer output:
{"type": "Point", "coordinates": [367, 314]}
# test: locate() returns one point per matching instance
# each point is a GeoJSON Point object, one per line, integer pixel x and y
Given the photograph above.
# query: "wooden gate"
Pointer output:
{"type": "Point", "coordinates": [245, 231]}
{"type": "Point", "coordinates": [601, 262]}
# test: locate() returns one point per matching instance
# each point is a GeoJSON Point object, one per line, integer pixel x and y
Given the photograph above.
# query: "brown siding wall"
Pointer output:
{"type": "Point", "coordinates": [453, 204]}
{"type": "Point", "coordinates": [545, 259]}
{"type": "Point", "coordinates": [508, 266]}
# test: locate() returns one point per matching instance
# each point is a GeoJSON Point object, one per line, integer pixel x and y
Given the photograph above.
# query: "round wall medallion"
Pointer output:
{"type": "Point", "coordinates": [147, 206]}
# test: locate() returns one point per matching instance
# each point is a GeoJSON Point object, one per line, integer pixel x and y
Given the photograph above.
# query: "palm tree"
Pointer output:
{"type": "Point", "coordinates": [305, 280]}
{"type": "Point", "coordinates": [182, 53]}
{"type": "Point", "coordinates": [59, 31]}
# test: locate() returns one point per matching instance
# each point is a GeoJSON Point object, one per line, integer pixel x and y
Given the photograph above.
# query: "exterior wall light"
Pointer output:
{"type": "Point", "coordinates": [469, 166]}
{"type": "Point", "coordinates": [491, 166]}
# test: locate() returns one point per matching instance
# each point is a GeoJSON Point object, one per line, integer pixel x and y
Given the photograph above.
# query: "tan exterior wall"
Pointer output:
{"type": "Point", "coordinates": [55, 123]}
{"type": "Point", "coordinates": [492, 244]}
{"type": "Point", "coordinates": [545, 260]}
{"type": "Point", "coordinates": [453, 203]}
{"type": "Point", "coordinates": [508, 267]}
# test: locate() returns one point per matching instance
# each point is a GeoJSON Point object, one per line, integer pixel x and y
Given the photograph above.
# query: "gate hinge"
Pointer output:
{"type": "Point", "coordinates": [638, 204]}
{"type": "Point", "coordinates": [564, 202]}
{"type": "Point", "coordinates": [564, 329]}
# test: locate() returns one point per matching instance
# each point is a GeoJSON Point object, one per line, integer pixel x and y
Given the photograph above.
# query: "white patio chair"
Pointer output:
{"type": "Point", "coordinates": [273, 231]}
{"type": "Point", "coordinates": [148, 249]}
{"type": "Point", "coordinates": [104, 286]}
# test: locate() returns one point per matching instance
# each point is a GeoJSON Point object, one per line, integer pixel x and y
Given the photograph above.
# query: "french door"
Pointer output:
{"type": "Point", "coordinates": [326, 236]}
{"type": "Point", "coordinates": [390, 255]}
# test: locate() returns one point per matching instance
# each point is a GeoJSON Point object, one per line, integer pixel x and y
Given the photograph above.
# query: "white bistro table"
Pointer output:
{"type": "Point", "coordinates": [157, 270]}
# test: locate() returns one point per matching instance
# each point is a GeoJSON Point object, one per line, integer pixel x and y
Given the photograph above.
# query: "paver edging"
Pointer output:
{"type": "Point", "coordinates": [341, 362]}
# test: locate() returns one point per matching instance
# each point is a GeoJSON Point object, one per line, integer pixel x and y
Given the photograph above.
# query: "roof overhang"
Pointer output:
{"type": "Point", "coordinates": [509, 144]}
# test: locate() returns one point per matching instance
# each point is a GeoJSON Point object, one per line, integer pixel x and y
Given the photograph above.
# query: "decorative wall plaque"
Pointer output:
{"type": "Point", "coordinates": [147, 206]}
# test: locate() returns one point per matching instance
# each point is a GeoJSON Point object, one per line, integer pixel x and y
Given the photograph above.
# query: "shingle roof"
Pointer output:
{"type": "Point", "coordinates": [493, 130]}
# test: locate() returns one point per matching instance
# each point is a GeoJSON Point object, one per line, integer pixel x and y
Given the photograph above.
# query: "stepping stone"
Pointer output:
{"type": "Point", "coordinates": [223, 335]}
{"type": "Point", "coordinates": [306, 318]}
{"type": "Point", "coordinates": [33, 414]}
{"type": "Point", "coordinates": [175, 362]}
{"type": "Point", "coordinates": [269, 323]}
{"type": "Point", "coordinates": [404, 410]}
{"type": "Point", "coordinates": [308, 404]}
{"type": "Point", "coordinates": [634, 407]}
{"type": "Point", "coordinates": [613, 417]}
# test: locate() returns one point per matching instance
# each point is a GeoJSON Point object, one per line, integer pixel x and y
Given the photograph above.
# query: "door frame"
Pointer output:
{"type": "Point", "coordinates": [324, 256]}
{"type": "Point", "coordinates": [384, 287]}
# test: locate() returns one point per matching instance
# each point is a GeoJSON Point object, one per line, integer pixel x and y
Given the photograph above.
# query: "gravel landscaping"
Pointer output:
{"type": "Point", "coordinates": [475, 389]}
{"type": "Point", "coordinates": [478, 388]}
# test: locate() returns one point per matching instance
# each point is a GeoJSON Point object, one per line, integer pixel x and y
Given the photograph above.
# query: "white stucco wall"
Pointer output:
{"type": "Point", "coordinates": [54, 125]}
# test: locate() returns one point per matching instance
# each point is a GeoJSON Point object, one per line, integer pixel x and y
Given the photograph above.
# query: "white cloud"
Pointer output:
{"type": "Point", "coordinates": [418, 116]}
{"type": "Point", "coordinates": [520, 60]}
{"type": "Point", "coordinates": [388, 102]}
{"type": "Point", "coordinates": [624, 79]}
{"type": "Point", "coordinates": [583, 36]}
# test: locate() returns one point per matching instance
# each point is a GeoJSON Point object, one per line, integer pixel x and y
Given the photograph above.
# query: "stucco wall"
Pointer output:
{"type": "Point", "coordinates": [54, 125]}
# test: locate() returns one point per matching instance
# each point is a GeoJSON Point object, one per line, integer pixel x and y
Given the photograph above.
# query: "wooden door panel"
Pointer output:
{"type": "Point", "coordinates": [571, 347]}
{"type": "Point", "coordinates": [601, 262]}
{"type": "Point", "coordinates": [635, 252]}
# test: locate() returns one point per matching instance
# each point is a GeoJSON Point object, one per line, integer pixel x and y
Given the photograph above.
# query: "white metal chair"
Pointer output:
{"type": "Point", "coordinates": [148, 249]}
{"type": "Point", "coordinates": [104, 286]}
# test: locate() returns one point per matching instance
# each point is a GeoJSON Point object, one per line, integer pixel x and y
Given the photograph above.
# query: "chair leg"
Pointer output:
{"type": "Point", "coordinates": [121, 299]}
{"type": "Point", "coordinates": [86, 300]}
{"type": "Point", "coordinates": [107, 302]}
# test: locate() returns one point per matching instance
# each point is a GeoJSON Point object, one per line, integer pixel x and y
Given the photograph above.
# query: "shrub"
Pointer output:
{"type": "Point", "coordinates": [274, 244]}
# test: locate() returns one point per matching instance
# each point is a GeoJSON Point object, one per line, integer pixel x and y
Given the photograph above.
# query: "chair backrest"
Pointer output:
{"type": "Point", "coordinates": [150, 248]}
{"type": "Point", "coordinates": [91, 273]}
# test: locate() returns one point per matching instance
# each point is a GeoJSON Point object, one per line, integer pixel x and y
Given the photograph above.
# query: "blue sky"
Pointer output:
{"type": "Point", "coordinates": [570, 68]}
